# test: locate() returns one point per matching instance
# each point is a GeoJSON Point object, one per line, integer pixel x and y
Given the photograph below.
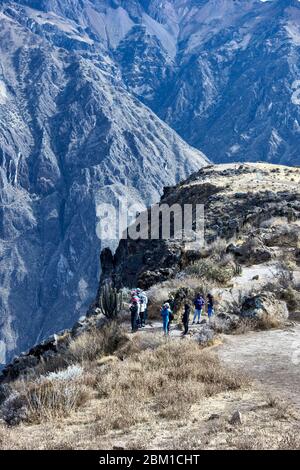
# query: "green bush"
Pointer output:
{"type": "Point", "coordinates": [211, 271]}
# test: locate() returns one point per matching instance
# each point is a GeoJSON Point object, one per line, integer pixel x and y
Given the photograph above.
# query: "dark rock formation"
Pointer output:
{"type": "Point", "coordinates": [237, 199]}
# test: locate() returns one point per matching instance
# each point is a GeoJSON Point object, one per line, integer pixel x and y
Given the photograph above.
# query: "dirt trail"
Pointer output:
{"type": "Point", "coordinates": [271, 357]}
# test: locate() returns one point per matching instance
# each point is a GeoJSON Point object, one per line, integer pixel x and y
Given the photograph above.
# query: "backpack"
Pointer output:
{"type": "Point", "coordinates": [133, 308]}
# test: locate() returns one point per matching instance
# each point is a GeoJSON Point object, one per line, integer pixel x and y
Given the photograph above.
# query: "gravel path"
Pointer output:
{"type": "Point", "coordinates": [272, 357]}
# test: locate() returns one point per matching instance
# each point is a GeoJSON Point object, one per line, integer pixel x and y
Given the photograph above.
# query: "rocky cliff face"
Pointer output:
{"type": "Point", "coordinates": [249, 208]}
{"type": "Point", "coordinates": [224, 74]}
{"type": "Point", "coordinates": [250, 260]}
{"type": "Point", "coordinates": [71, 138]}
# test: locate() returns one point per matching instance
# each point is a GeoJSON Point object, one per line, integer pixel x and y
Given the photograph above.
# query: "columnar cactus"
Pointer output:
{"type": "Point", "coordinates": [237, 269]}
{"type": "Point", "coordinates": [110, 301]}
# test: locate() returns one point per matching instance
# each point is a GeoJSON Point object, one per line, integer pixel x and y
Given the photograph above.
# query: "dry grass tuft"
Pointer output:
{"type": "Point", "coordinates": [90, 346]}
{"type": "Point", "coordinates": [52, 396]}
{"type": "Point", "coordinates": [96, 343]}
{"type": "Point", "coordinates": [165, 382]}
{"type": "Point", "coordinates": [281, 407]}
{"type": "Point", "coordinates": [266, 322]}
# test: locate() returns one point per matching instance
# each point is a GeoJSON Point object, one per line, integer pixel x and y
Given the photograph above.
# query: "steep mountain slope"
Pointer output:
{"type": "Point", "coordinates": [71, 138]}
{"type": "Point", "coordinates": [224, 74]}
{"type": "Point", "coordinates": [233, 79]}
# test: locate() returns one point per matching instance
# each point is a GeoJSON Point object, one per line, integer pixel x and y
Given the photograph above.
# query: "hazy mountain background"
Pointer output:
{"type": "Point", "coordinates": [92, 94]}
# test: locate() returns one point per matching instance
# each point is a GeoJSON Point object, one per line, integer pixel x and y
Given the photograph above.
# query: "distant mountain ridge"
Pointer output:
{"type": "Point", "coordinates": [220, 72]}
{"type": "Point", "coordinates": [71, 138]}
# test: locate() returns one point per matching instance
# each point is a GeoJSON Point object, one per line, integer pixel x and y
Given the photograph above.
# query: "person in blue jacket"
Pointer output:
{"type": "Point", "coordinates": [165, 313]}
{"type": "Point", "coordinates": [199, 304]}
{"type": "Point", "coordinates": [210, 306]}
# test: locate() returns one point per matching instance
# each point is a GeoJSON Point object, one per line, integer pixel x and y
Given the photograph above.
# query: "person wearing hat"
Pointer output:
{"type": "Point", "coordinates": [165, 313]}
{"type": "Point", "coordinates": [134, 311]}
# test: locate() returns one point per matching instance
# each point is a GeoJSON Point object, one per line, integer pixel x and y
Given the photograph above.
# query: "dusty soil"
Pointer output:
{"type": "Point", "coordinates": [271, 357]}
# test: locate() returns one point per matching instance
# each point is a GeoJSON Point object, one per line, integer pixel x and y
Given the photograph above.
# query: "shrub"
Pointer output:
{"type": "Point", "coordinates": [292, 297]}
{"type": "Point", "coordinates": [165, 382]}
{"type": "Point", "coordinates": [210, 270]}
{"type": "Point", "coordinates": [266, 322]}
{"type": "Point", "coordinates": [96, 343]}
{"type": "Point", "coordinates": [51, 396]}
{"type": "Point", "coordinates": [14, 409]}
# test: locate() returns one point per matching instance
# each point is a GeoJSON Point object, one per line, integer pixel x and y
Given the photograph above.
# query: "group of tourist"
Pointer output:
{"type": "Point", "coordinates": [199, 306]}
{"type": "Point", "coordinates": [139, 311]}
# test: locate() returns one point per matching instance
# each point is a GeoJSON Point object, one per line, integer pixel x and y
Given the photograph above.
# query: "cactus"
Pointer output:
{"type": "Point", "coordinates": [110, 301]}
{"type": "Point", "coordinates": [291, 215]}
{"type": "Point", "coordinates": [237, 269]}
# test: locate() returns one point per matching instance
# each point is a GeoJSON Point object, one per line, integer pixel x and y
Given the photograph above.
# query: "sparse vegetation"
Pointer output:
{"type": "Point", "coordinates": [106, 385]}
{"type": "Point", "coordinates": [97, 343]}
{"type": "Point", "coordinates": [87, 347]}
{"type": "Point", "coordinates": [164, 379]}
{"type": "Point", "coordinates": [52, 396]}
{"type": "Point", "coordinates": [208, 269]}
{"type": "Point", "coordinates": [166, 382]}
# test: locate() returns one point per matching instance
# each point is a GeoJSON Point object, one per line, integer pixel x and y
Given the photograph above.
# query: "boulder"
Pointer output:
{"type": "Point", "coordinates": [258, 306]}
{"type": "Point", "coordinates": [206, 334]}
{"type": "Point", "coordinates": [285, 235]}
{"type": "Point", "coordinates": [253, 251]}
{"type": "Point", "coordinates": [149, 278]}
{"type": "Point", "coordinates": [225, 323]}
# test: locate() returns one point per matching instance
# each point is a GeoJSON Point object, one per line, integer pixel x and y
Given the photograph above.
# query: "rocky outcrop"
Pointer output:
{"type": "Point", "coordinates": [55, 345]}
{"type": "Point", "coordinates": [253, 251]}
{"type": "Point", "coordinates": [264, 305]}
{"type": "Point", "coordinates": [239, 201]}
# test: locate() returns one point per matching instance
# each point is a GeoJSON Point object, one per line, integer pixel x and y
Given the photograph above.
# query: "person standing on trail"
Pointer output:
{"type": "Point", "coordinates": [186, 318]}
{"type": "Point", "coordinates": [210, 306]}
{"type": "Point", "coordinates": [165, 313]}
{"type": "Point", "coordinates": [171, 302]}
{"type": "Point", "coordinates": [134, 311]}
{"type": "Point", "coordinates": [199, 304]}
{"type": "Point", "coordinates": [143, 306]}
